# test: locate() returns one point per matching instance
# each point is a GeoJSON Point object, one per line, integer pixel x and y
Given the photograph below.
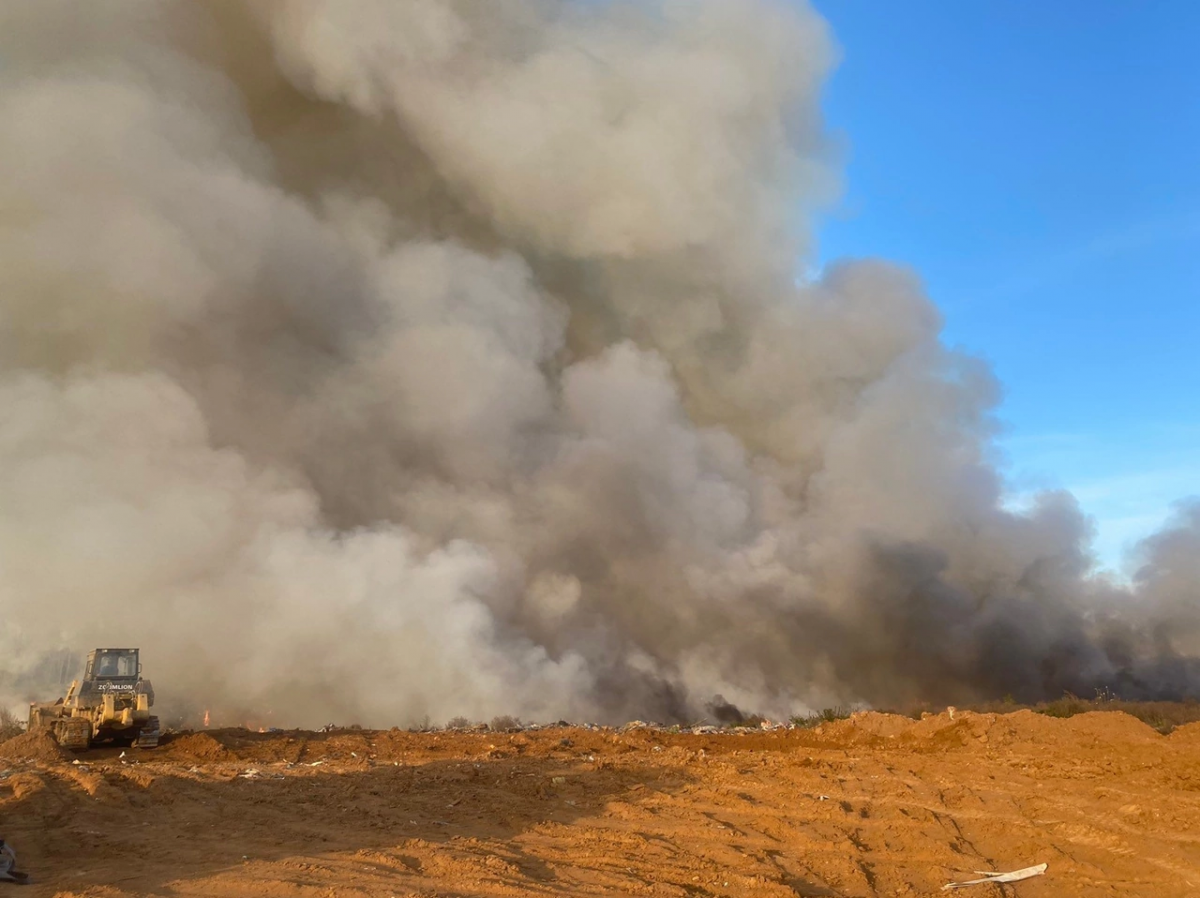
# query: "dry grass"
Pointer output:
{"type": "Point", "coordinates": [10, 726]}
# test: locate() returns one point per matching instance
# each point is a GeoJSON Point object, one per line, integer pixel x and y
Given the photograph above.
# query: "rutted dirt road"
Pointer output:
{"type": "Point", "coordinates": [877, 805]}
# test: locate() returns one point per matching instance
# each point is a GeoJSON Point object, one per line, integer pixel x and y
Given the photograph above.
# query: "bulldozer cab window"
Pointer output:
{"type": "Point", "coordinates": [116, 664]}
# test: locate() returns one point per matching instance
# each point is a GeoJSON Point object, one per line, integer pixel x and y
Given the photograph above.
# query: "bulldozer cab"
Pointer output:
{"type": "Point", "coordinates": [112, 664]}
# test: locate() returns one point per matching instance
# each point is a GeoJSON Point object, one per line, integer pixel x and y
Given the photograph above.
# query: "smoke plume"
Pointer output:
{"type": "Point", "coordinates": [381, 359]}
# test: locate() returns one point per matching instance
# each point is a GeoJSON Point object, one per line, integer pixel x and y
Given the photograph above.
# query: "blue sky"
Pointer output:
{"type": "Point", "coordinates": [1039, 165]}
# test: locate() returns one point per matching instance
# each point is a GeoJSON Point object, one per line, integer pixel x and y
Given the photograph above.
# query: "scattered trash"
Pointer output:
{"type": "Point", "coordinates": [316, 763]}
{"type": "Point", "coordinates": [121, 755]}
{"type": "Point", "coordinates": [822, 798]}
{"type": "Point", "coordinates": [558, 780]}
{"type": "Point", "coordinates": [249, 774]}
{"type": "Point", "coordinates": [1014, 876]}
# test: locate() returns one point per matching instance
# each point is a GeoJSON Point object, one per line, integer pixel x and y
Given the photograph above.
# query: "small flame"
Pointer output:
{"type": "Point", "coordinates": [206, 717]}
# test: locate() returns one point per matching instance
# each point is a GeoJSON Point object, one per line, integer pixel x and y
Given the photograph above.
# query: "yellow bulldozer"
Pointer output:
{"type": "Point", "coordinates": [110, 705]}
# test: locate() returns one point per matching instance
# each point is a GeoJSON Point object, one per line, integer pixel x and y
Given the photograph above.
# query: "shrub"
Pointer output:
{"type": "Point", "coordinates": [10, 726]}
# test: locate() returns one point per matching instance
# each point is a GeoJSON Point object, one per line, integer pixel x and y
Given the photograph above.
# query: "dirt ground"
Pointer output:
{"type": "Point", "coordinates": [875, 805]}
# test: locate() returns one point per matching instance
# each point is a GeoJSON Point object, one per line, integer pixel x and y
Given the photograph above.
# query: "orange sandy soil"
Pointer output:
{"type": "Point", "coordinates": [875, 805]}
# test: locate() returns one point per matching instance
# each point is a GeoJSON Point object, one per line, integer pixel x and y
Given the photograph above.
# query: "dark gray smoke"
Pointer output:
{"type": "Point", "coordinates": [375, 359]}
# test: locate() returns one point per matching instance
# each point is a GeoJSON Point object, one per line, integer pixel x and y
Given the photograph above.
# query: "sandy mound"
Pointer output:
{"type": "Point", "coordinates": [1092, 730]}
{"type": "Point", "coordinates": [968, 730]}
{"type": "Point", "coordinates": [864, 729]}
{"type": "Point", "coordinates": [1189, 734]}
{"type": "Point", "coordinates": [196, 747]}
{"type": "Point", "coordinates": [878, 724]}
{"type": "Point", "coordinates": [1109, 727]}
{"type": "Point", "coordinates": [36, 746]}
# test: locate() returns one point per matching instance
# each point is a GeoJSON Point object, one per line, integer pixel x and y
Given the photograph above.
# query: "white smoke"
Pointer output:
{"type": "Point", "coordinates": [382, 359]}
